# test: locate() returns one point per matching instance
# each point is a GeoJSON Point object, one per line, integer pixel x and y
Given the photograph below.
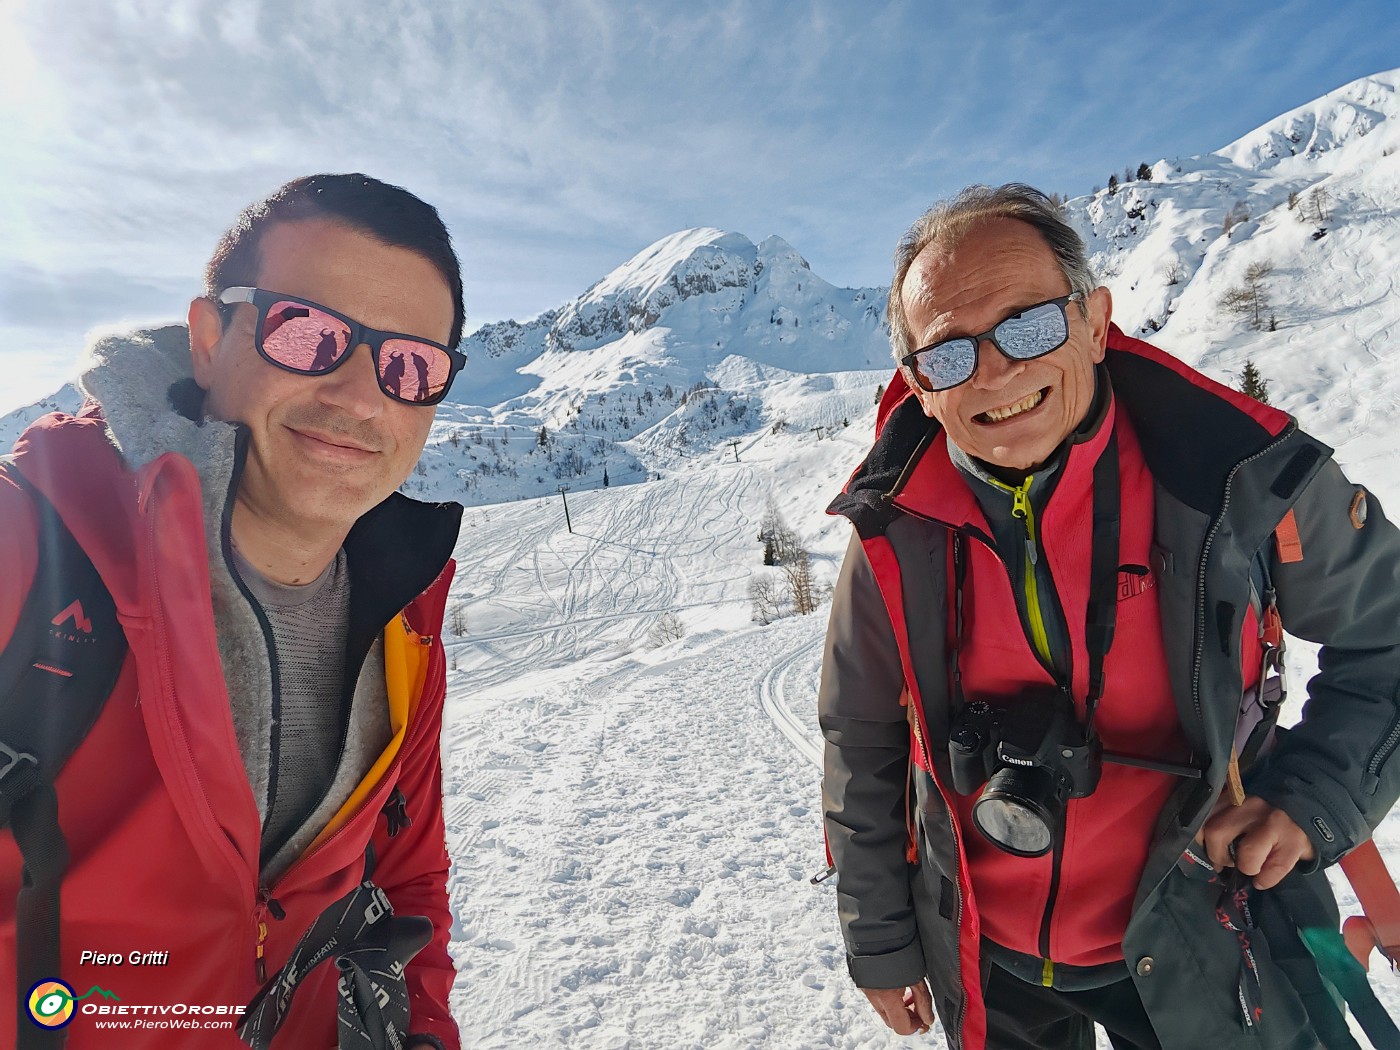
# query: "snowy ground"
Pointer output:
{"type": "Point", "coordinates": [633, 828]}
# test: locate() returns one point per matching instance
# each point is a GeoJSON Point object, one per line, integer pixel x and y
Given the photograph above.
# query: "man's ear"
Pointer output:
{"type": "Point", "coordinates": [1100, 304]}
{"type": "Point", "coordinates": [206, 331]}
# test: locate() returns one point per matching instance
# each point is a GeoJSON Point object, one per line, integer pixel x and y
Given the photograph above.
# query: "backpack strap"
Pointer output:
{"type": "Point", "coordinates": [1259, 708]}
{"type": "Point", "coordinates": [56, 672]}
{"type": "Point", "coordinates": [370, 946]}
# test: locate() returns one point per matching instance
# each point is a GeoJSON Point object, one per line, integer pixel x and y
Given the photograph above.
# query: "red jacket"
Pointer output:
{"type": "Point", "coordinates": [1073, 908]}
{"type": "Point", "coordinates": [156, 806]}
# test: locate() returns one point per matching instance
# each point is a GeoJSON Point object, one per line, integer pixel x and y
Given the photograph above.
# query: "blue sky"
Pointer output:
{"type": "Point", "coordinates": [560, 138]}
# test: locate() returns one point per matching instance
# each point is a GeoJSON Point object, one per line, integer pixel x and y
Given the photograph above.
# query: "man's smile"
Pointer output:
{"type": "Point", "coordinates": [1011, 411]}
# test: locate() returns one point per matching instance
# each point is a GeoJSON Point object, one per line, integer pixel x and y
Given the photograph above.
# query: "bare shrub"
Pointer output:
{"type": "Point", "coordinates": [664, 629]}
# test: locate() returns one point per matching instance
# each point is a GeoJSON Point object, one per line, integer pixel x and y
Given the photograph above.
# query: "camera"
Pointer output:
{"type": "Point", "coordinates": [1033, 756]}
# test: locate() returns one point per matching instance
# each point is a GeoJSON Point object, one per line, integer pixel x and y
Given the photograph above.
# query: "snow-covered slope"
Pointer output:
{"type": "Point", "coordinates": [1313, 195]}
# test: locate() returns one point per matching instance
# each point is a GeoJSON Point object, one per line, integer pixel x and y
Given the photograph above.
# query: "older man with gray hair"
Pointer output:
{"type": "Point", "coordinates": [1058, 622]}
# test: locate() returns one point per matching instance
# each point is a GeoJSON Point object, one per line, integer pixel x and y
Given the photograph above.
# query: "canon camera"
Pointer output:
{"type": "Point", "coordinates": [1033, 756]}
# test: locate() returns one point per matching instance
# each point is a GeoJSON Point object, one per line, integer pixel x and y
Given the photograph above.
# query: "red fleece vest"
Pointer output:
{"type": "Point", "coordinates": [1107, 835]}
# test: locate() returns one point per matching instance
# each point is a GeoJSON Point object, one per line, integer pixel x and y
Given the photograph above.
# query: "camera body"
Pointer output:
{"type": "Point", "coordinates": [1033, 756]}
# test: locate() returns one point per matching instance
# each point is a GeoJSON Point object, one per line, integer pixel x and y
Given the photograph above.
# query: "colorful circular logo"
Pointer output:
{"type": "Point", "coordinates": [51, 1004]}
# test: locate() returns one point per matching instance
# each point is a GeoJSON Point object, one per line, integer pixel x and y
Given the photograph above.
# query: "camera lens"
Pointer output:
{"type": "Point", "coordinates": [1018, 810]}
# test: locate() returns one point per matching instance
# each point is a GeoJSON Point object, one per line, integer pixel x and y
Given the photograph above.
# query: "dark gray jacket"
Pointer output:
{"type": "Point", "coordinates": [1225, 470]}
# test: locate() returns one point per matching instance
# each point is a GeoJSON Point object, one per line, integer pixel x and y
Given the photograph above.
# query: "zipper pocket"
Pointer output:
{"type": "Point", "coordinates": [1381, 755]}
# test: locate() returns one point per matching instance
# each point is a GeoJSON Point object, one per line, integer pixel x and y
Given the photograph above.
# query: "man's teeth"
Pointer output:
{"type": "Point", "coordinates": [997, 415]}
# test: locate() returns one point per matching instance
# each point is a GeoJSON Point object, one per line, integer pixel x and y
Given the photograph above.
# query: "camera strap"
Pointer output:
{"type": "Point", "coordinates": [1101, 617]}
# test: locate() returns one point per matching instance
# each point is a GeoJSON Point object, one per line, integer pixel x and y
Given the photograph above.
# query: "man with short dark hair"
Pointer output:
{"type": "Point", "coordinates": [1057, 620]}
{"type": "Point", "coordinates": [264, 781]}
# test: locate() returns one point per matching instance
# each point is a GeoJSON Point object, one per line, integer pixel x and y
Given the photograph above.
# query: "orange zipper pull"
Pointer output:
{"type": "Point", "coordinates": [261, 962]}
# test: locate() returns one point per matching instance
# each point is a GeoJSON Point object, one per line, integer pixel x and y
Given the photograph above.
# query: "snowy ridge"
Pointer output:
{"type": "Point", "coordinates": [632, 297]}
{"type": "Point", "coordinates": [672, 355]}
{"type": "Point", "coordinates": [1330, 124]}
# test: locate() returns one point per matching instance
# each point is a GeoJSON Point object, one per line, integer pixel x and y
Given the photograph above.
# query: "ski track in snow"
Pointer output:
{"type": "Point", "coordinates": [631, 855]}
{"type": "Point", "coordinates": [774, 694]}
{"type": "Point", "coordinates": [632, 830]}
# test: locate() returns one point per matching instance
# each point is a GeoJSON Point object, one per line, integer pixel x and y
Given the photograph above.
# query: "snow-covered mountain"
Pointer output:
{"type": "Point", "coordinates": [689, 345]}
{"type": "Point", "coordinates": [1312, 197]}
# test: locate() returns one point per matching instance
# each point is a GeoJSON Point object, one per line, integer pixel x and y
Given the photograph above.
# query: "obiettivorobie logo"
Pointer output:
{"type": "Point", "coordinates": [51, 1002]}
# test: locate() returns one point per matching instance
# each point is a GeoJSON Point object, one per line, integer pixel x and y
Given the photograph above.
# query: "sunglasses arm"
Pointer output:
{"type": "Point", "coordinates": [229, 296]}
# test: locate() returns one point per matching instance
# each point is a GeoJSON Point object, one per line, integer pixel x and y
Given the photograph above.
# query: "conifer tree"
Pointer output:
{"type": "Point", "coordinates": [1253, 384]}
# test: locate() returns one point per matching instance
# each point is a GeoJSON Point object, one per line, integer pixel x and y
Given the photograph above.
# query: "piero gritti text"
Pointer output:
{"type": "Point", "coordinates": [136, 958]}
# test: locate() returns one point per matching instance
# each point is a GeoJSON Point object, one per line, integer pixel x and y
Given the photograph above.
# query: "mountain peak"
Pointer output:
{"type": "Point", "coordinates": [699, 261]}
{"type": "Point", "coordinates": [773, 248]}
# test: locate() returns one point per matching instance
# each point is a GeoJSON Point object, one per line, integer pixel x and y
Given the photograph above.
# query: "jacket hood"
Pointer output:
{"type": "Point", "coordinates": [145, 384]}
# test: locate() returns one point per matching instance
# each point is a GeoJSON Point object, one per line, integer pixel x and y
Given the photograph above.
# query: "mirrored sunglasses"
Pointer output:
{"type": "Point", "coordinates": [309, 339]}
{"type": "Point", "coordinates": [1030, 333]}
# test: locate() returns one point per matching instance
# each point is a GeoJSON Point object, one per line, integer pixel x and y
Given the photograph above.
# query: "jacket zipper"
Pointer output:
{"type": "Point", "coordinates": [267, 900]}
{"type": "Point", "coordinates": [261, 908]}
{"type": "Point", "coordinates": [1047, 968]}
{"type": "Point", "coordinates": [1383, 753]}
{"type": "Point", "coordinates": [1022, 510]}
{"type": "Point", "coordinates": [226, 548]}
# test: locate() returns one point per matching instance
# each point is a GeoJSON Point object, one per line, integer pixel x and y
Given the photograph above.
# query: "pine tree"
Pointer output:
{"type": "Point", "coordinates": [1113, 185]}
{"type": "Point", "coordinates": [1144, 172]}
{"type": "Point", "coordinates": [879, 393]}
{"type": "Point", "coordinates": [1253, 384]}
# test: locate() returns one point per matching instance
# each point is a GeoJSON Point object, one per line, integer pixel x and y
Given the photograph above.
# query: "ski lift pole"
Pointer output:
{"type": "Point", "coordinates": [567, 524]}
{"type": "Point", "coordinates": [735, 446]}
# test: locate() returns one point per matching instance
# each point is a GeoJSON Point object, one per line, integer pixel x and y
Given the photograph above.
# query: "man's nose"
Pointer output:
{"type": "Point", "coordinates": [354, 386]}
{"type": "Point", "coordinates": [994, 369]}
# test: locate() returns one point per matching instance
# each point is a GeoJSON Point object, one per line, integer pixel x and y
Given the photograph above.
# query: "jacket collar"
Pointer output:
{"type": "Point", "coordinates": [1193, 432]}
